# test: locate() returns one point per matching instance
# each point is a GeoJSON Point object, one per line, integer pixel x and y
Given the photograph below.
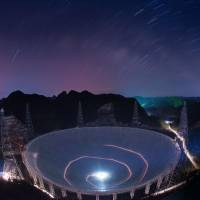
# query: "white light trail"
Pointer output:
{"type": "Point", "coordinates": [43, 190]}
{"type": "Point", "coordinates": [130, 173]}
{"type": "Point", "coordinates": [136, 153]}
{"type": "Point", "coordinates": [169, 189]}
{"type": "Point", "coordinates": [101, 175]}
{"type": "Point", "coordinates": [186, 151]}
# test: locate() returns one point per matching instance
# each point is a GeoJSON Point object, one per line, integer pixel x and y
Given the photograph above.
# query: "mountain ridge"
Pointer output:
{"type": "Point", "coordinates": [59, 112]}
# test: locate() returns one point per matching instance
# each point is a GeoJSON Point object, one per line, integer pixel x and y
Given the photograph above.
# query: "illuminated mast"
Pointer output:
{"type": "Point", "coordinates": [1, 120]}
{"type": "Point", "coordinates": [1, 127]}
{"type": "Point", "coordinates": [183, 124]}
{"type": "Point", "coordinates": [80, 121]}
{"type": "Point", "coordinates": [135, 118]}
{"type": "Point", "coordinates": [182, 135]}
{"type": "Point", "coordinates": [29, 124]}
{"type": "Point", "coordinates": [11, 169]}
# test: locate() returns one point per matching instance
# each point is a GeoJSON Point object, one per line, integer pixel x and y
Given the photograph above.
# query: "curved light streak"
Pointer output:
{"type": "Point", "coordinates": [168, 189]}
{"type": "Point", "coordinates": [133, 152]}
{"type": "Point", "coordinates": [130, 173]}
{"type": "Point", "coordinates": [51, 180]}
{"type": "Point", "coordinates": [43, 190]}
{"type": "Point", "coordinates": [186, 151]}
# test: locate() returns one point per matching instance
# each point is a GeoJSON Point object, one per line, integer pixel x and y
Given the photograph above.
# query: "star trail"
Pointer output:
{"type": "Point", "coordinates": [140, 47]}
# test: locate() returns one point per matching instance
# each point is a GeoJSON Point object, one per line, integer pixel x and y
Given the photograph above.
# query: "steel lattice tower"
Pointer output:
{"type": "Point", "coordinates": [7, 150]}
{"type": "Point", "coordinates": [1, 119]}
{"type": "Point", "coordinates": [1, 126]}
{"type": "Point", "coordinates": [183, 124]}
{"type": "Point", "coordinates": [28, 122]}
{"type": "Point", "coordinates": [183, 132]}
{"type": "Point", "coordinates": [135, 117]}
{"type": "Point", "coordinates": [80, 120]}
{"type": "Point", "coordinates": [11, 170]}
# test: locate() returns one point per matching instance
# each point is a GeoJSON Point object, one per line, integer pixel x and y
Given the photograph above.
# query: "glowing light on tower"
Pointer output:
{"type": "Point", "coordinates": [6, 176]}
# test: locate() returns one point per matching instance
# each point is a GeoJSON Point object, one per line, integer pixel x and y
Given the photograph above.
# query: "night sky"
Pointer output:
{"type": "Point", "coordinates": [130, 47]}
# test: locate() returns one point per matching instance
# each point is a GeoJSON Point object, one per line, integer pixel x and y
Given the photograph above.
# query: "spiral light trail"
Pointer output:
{"type": "Point", "coordinates": [133, 152]}
{"type": "Point", "coordinates": [103, 175]}
{"type": "Point", "coordinates": [90, 175]}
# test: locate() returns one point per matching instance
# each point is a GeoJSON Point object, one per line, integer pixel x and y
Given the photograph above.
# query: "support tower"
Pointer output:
{"type": "Point", "coordinates": [80, 120]}
{"type": "Point", "coordinates": [12, 144]}
{"type": "Point", "coordinates": [29, 124]}
{"type": "Point", "coordinates": [135, 118]}
{"type": "Point", "coordinates": [183, 123]}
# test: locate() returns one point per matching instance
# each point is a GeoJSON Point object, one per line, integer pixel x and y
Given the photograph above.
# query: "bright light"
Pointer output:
{"type": "Point", "coordinates": [45, 191]}
{"type": "Point", "coordinates": [101, 176]}
{"type": "Point", "coordinates": [169, 189]}
{"type": "Point", "coordinates": [168, 122]}
{"type": "Point", "coordinates": [186, 151]}
{"type": "Point", "coordinates": [6, 176]}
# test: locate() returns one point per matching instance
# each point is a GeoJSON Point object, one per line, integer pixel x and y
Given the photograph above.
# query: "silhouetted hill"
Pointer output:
{"type": "Point", "coordinates": [59, 112]}
{"type": "Point", "coordinates": [170, 107]}
{"type": "Point", "coordinates": [193, 112]}
{"type": "Point", "coordinates": [20, 191]}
